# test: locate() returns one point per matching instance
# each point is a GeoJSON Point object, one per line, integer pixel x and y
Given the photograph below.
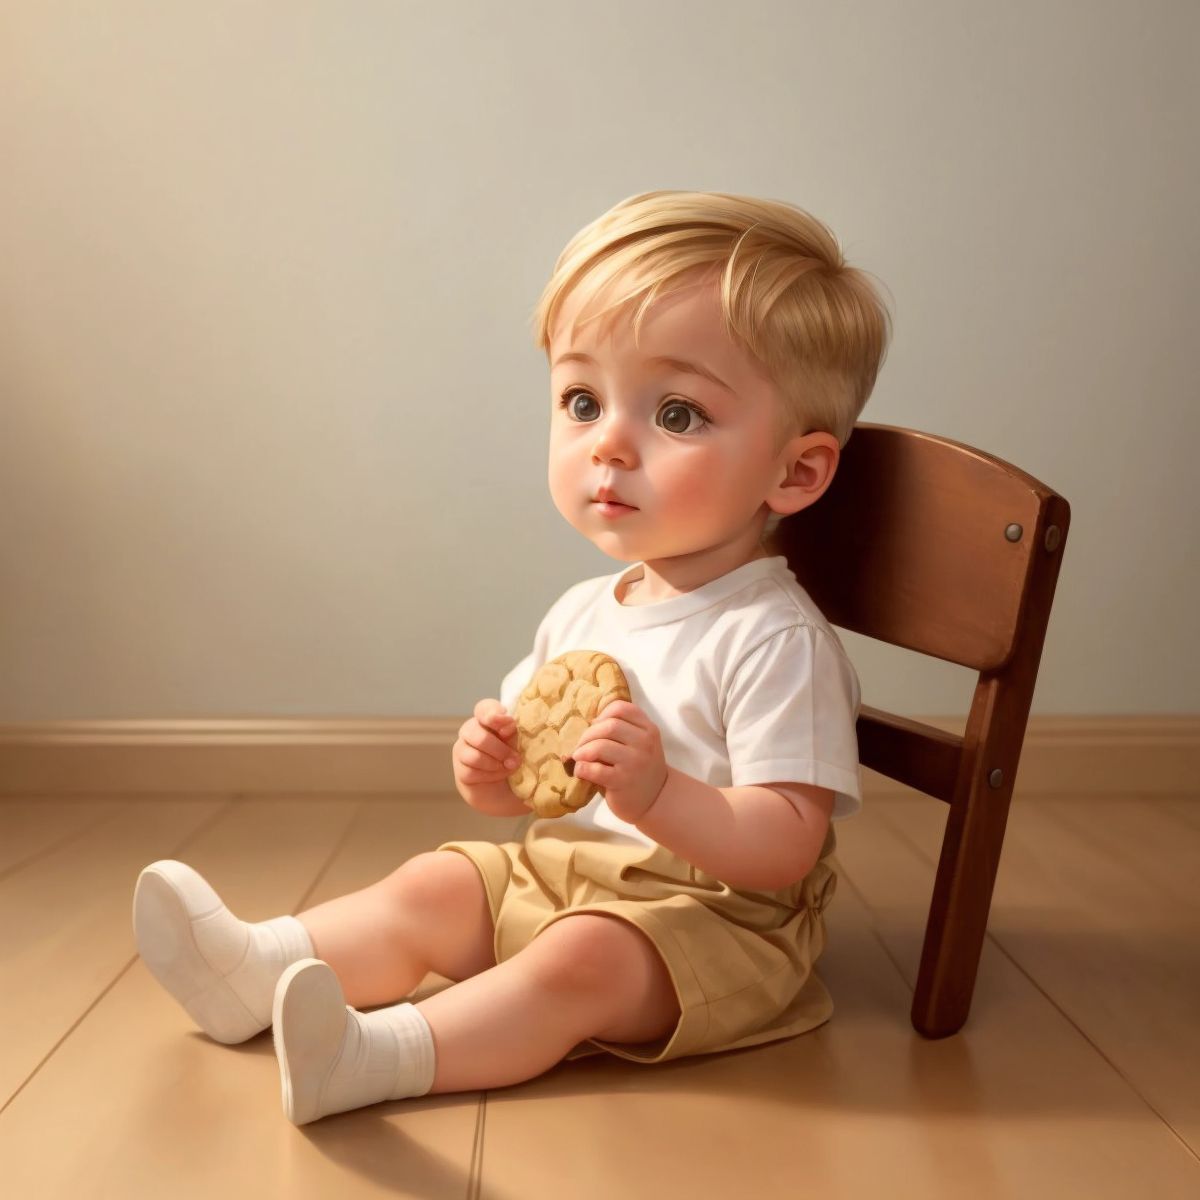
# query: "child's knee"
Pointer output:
{"type": "Point", "coordinates": [614, 971]}
{"type": "Point", "coordinates": [441, 900]}
{"type": "Point", "coordinates": [590, 953]}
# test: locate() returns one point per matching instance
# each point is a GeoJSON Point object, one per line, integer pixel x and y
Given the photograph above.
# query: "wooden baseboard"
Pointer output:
{"type": "Point", "coordinates": [1064, 756]}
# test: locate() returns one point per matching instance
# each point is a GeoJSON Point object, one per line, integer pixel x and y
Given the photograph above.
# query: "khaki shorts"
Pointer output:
{"type": "Point", "coordinates": [741, 961]}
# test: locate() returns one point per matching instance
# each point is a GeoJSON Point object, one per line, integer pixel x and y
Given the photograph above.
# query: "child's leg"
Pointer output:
{"type": "Point", "coordinates": [586, 975]}
{"type": "Point", "coordinates": [431, 914]}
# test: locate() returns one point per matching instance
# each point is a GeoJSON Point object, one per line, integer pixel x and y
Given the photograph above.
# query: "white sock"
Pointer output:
{"type": "Point", "coordinates": [333, 1058]}
{"type": "Point", "coordinates": [270, 947]}
{"type": "Point", "coordinates": [221, 969]}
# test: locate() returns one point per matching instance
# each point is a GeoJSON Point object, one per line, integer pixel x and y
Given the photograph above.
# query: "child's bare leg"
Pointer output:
{"type": "Point", "coordinates": [431, 914]}
{"type": "Point", "coordinates": [586, 975]}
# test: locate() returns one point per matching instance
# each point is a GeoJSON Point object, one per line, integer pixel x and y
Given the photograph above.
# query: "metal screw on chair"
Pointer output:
{"type": "Point", "coordinates": [1053, 537]}
{"type": "Point", "coordinates": [1013, 532]}
{"type": "Point", "coordinates": [996, 777]}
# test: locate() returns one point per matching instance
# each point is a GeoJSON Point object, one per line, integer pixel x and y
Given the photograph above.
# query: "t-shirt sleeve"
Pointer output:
{"type": "Point", "coordinates": [790, 715]}
{"type": "Point", "coordinates": [513, 683]}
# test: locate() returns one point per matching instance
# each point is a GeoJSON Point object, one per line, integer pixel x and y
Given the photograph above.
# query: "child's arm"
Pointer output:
{"type": "Point", "coordinates": [748, 837]}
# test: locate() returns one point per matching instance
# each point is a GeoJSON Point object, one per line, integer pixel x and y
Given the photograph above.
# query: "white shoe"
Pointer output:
{"type": "Point", "coordinates": [308, 1024]}
{"type": "Point", "coordinates": [333, 1058]}
{"type": "Point", "coordinates": [221, 969]}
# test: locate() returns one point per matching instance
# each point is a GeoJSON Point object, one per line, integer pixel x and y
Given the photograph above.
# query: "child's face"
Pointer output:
{"type": "Point", "coordinates": [697, 487]}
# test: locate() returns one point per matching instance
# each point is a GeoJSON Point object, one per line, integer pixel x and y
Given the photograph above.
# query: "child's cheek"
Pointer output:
{"type": "Point", "coordinates": [687, 491]}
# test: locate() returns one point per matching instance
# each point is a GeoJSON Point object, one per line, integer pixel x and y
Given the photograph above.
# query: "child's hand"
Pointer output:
{"type": "Point", "coordinates": [486, 742]}
{"type": "Point", "coordinates": [621, 752]}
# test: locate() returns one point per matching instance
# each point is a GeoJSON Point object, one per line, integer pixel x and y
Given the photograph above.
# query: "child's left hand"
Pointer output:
{"type": "Point", "coordinates": [621, 751]}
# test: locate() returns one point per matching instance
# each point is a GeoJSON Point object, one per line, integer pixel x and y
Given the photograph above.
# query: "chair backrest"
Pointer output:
{"type": "Point", "coordinates": [930, 544]}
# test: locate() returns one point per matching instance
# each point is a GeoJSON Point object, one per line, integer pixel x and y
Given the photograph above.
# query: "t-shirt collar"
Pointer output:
{"type": "Point", "coordinates": [675, 608]}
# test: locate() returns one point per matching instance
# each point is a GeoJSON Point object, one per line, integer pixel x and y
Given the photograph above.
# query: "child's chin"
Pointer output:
{"type": "Point", "coordinates": [617, 553]}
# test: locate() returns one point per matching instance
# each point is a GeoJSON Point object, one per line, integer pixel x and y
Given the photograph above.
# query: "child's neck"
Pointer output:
{"type": "Point", "coordinates": [631, 586]}
{"type": "Point", "coordinates": [637, 584]}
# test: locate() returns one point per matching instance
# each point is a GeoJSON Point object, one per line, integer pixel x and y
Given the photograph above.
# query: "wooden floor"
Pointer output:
{"type": "Point", "coordinates": [1077, 1073]}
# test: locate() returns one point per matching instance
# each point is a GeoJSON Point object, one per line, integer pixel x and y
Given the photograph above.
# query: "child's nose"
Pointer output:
{"type": "Point", "coordinates": [616, 439]}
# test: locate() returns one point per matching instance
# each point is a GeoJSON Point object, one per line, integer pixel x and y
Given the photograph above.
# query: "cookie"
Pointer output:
{"type": "Point", "coordinates": [558, 704]}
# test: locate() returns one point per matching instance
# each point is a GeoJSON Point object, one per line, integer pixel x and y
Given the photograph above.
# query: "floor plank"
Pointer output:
{"type": "Point", "coordinates": [1098, 903]}
{"type": "Point", "coordinates": [65, 920]}
{"type": "Point", "coordinates": [33, 827]}
{"type": "Point", "coordinates": [388, 833]}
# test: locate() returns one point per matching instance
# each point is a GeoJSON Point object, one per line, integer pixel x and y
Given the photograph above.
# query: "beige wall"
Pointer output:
{"type": "Point", "coordinates": [273, 429]}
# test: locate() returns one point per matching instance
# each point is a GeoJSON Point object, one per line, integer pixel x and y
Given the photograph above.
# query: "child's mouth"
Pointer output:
{"type": "Point", "coordinates": [610, 508]}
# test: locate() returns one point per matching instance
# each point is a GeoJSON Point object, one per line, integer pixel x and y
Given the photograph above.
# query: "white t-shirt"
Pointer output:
{"type": "Point", "coordinates": [745, 679]}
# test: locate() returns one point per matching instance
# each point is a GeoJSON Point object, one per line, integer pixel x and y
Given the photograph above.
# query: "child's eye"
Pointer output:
{"type": "Point", "coordinates": [568, 398]}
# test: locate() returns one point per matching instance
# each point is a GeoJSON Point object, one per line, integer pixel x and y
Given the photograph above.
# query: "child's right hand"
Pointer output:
{"type": "Point", "coordinates": [486, 744]}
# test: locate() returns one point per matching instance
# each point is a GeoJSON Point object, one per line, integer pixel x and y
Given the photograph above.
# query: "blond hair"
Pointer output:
{"type": "Point", "coordinates": [818, 326]}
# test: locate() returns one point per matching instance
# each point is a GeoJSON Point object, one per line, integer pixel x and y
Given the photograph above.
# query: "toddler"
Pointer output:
{"type": "Point", "coordinates": [709, 355]}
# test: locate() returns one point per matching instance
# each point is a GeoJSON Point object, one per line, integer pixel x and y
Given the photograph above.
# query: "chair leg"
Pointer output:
{"type": "Point", "coordinates": [958, 913]}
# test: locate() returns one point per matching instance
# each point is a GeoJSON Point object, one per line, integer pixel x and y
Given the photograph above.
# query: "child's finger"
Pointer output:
{"type": "Point", "coordinates": [488, 743]}
{"type": "Point", "coordinates": [501, 722]}
{"type": "Point", "coordinates": [607, 753]}
{"type": "Point", "coordinates": [620, 710]}
{"type": "Point", "coordinates": [491, 714]}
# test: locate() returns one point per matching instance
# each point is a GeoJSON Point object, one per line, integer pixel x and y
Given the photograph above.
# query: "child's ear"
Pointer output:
{"type": "Point", "coordinates": [806, 467]}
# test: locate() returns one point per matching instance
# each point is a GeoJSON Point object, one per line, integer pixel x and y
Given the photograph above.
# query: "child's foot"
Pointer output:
{"type": "Point", "coordinates": [333, 1058]}
{"type": "Point", "coordinates": [222, 970]}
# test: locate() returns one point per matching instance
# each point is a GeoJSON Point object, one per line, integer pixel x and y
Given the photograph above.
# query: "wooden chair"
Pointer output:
{"type": "Point", "coordinates": [933, 545]}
